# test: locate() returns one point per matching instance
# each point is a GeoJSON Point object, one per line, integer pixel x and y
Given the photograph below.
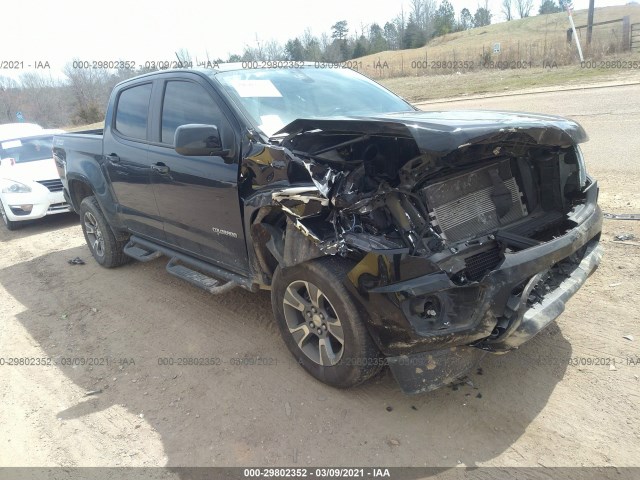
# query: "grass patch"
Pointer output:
{"type": "Point", "coordinates": [538, 41]}
{"type": "Point", "coordinates": [433, 87]}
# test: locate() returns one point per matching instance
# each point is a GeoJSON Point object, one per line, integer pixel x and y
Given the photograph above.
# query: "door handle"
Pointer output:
{"type": "Point", "coordinates": [113, 158]}
{"type": "Point", "coordinates": [160, 168]}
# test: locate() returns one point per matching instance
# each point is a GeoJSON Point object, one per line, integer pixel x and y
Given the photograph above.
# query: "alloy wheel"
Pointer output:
{"type": "Point", "coordinates": [313, 323]}
{"type": "Point", "coordinates": [94, 233]}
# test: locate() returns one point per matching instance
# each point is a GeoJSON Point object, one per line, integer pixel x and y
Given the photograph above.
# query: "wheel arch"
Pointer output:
{"type": "Point", "coordinates": [80, 187]}
{"type": "Point", "coordinates": [276, 240]}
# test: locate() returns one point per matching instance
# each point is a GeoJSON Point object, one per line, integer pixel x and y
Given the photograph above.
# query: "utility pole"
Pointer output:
{"type": "Point", "coordinates": [590, 21]}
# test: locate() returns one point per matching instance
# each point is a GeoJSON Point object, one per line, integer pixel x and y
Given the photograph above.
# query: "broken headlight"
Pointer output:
{"type": "Point", "coordinates": [444, 311]}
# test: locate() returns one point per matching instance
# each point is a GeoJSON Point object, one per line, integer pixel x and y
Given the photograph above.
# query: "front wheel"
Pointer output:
{"type": "Point", "coordinates": [10, 224]}
{"type": "Point", "coordinates": [321, 324]}
{"type": "Point", "coordinates": [104, 247]}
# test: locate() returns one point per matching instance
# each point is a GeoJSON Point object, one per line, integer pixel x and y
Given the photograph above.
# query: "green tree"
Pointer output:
{"type": "Point", "coordinates": [311, 46]}
{"type": "Point", "coordinates": [391, 36]}
{"type": "Point", "coordinates": [361, 48]}
{"type": "Point", "coordinates": [549, 6]}
{"type": "Point", "coordinates": [445, 19]}
{"type": "Point", "coordinates": [482, 17]}
{"type": "Point", "coordinates": [294, 50]}
{"type": "Point", "coordinates": [377, 41]}
{"type": "Point", "coordinates": [339, 50]}
{"type": "Point", "coordinates": [340, 30]}
{"type": "Point", "coordinates": [414, 36]}
{"type": "Point", "coordinates": [466, 19]}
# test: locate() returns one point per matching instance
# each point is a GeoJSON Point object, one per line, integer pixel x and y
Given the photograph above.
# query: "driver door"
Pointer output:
{"type": "Point", "coordinates": [197, 196]}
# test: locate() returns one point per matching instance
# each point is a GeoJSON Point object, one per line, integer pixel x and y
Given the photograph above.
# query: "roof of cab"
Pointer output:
{"type": "Point", "coordinates": [224, 67]}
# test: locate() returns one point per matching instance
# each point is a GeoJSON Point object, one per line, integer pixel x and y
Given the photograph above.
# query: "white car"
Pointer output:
{"type": "Point", "coordinates": [30, 187]}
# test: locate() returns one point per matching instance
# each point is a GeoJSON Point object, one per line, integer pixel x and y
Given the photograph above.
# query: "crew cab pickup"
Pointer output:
{"type": "Point", "coordinates": [386, 235]}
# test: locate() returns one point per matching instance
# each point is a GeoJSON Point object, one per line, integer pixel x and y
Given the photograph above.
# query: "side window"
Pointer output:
{"type": "Point", "coordinates": [132, 113]}
{"type": "Point", "coordinates": [187, 102]}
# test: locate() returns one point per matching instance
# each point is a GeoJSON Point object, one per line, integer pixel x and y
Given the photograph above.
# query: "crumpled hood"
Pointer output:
{"type": "Point", "coordinates": [440, 133]}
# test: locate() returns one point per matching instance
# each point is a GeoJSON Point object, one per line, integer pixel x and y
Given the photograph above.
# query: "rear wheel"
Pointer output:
{"type": "Point", "coordinates": [10, 224]}
{"type": "Point", "coordinates": [104, 247]}
{"type": "Point", "coordinates": [321, 324]}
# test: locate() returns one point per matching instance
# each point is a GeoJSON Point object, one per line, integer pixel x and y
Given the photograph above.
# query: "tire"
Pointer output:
{"type": "Point", "coordinates": [104, 247]}
{"type": "Point", "coordinates": [335, 316]}
{"type": "Point", "coordinates": [10, 224]}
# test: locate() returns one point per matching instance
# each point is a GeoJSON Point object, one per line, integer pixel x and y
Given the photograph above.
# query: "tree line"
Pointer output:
{"type": "Point", "coordinates": [78, 99]}
{"type": "Point", "coordinates": [81, 96]}
{"type": "Point", "coordinates": [424, 20]}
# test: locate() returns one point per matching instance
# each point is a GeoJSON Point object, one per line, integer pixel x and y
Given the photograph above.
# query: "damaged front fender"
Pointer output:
{"type": "Point", "coordinates": [447, 216]}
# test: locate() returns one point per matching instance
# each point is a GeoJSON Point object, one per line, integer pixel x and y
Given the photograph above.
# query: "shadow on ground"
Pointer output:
{"type": "Point", "coordinates": [33, 227]}
{"type": "Point", "coordinates": [271, 414]}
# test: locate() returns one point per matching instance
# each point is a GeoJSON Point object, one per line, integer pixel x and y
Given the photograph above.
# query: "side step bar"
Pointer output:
{"type": "Point", "coordinates": [198, 279]}
{"type": "Point", "coordinates": [215, 280]}
{"type": "Point", "coordinates": [140, 254]}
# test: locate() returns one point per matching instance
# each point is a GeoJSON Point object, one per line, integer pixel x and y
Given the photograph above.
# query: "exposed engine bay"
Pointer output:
{"type": "Point", "coordinates": [467, 231]}
{"type": "Point", "coordinates": [351, 193]}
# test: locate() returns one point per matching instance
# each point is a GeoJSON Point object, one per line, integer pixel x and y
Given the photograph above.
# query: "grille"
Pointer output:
{"type": "Point", "coordinates": [478, 265]}
{"type": "Point", "coordinates": [56, 207]}
{"type": "Point", "coordinates": [462, 207]}
{"type": "Point", "coordinates": [53, 185]}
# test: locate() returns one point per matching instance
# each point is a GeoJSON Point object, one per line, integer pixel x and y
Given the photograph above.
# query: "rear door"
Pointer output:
{"type": "Point", "coordinates": [126, 148]}
{"type": "Point", "coordinates": [198, 196]}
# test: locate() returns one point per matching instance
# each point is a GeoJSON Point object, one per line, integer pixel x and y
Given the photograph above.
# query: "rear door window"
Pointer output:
{"type": "Point", "coordinates": [132, 113]}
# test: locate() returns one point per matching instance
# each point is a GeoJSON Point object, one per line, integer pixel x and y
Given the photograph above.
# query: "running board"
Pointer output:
{"type": "Point", "coordinates": [195, 271]}
{"type": "Point", "coordinates": [210, 284]}
{"type": "Point", "coordinates": [140, 254]}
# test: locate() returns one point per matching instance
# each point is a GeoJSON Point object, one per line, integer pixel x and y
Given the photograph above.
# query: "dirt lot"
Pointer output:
{"type": "Point", "coordinates": [568, 398]}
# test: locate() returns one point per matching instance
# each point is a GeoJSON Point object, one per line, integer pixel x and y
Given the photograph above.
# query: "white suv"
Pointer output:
{"type": "Point", "coordinates": [30, 187]}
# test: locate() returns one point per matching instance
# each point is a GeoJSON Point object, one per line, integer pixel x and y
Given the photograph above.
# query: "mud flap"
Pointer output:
{"type": "Point", "coordinates": [426, 371]}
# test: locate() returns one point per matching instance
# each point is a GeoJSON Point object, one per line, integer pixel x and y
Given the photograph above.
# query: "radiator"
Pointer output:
{"type": "Point", "coordinates": [462, 207]}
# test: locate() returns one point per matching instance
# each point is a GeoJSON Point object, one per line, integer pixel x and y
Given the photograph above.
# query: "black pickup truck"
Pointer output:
{"type": "Point", "coordinates": [386, 235]}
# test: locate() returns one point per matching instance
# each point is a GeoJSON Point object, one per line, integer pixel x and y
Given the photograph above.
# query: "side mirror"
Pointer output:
{"type": "Point", "coordinates": [198, 140]}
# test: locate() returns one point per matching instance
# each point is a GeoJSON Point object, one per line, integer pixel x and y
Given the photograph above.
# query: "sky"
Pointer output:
{"type": "Point", "coordinates": [141, 30]}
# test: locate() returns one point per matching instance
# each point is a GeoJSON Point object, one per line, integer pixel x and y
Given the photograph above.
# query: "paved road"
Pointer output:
{"type": "Point", "coordinates": [610, 115]}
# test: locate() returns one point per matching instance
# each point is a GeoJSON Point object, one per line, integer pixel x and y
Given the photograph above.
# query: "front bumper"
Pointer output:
{"type": "Point", "coordinates": [527, 319]}
{"type": "Point", "coordinates": [42, 202]}
{"type": "Point", "coordinates": [494, 314]}
{"type": "Point", "coordinates": [423, 372]}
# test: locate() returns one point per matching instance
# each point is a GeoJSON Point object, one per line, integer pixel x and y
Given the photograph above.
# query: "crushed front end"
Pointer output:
{"type": "Point", "coordinates": [468, 231]}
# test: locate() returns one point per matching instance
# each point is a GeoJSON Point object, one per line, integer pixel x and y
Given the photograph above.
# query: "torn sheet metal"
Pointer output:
{"type": "Point", "coordinates": [415, 182]}
{"type": "Point", "coordinates": [300, 202]}
{"type": "Point", "coordinates": [445, 216]}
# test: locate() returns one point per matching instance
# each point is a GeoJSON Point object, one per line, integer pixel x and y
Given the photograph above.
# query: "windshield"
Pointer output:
{"type": "Point", "coordinates": [25, 150]}
{"type": "Point", "coordinates": [274, 98]}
